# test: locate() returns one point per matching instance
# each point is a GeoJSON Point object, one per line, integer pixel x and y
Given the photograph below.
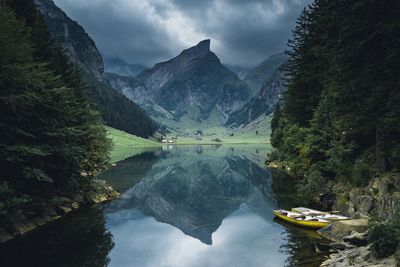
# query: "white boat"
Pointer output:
{"type": "Point", "coordinates": [320, 214]}
{"type": "Point", "coordinates": [301, 219]}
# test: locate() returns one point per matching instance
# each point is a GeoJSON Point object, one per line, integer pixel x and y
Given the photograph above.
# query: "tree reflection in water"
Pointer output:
{"type": "Point", "coordinates": [79, 239]}
{"type": "Point", "coordinates": [300, 245]}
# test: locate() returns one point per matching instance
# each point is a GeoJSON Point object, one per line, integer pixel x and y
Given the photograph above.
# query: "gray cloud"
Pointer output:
{"type": "Point", "coordinates": [242, 32]}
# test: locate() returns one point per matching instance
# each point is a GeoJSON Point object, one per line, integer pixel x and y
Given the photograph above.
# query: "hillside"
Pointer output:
{"type": "Point", "coordinates": [115, 109]}
{"type": "Point", "coordinates": [126, 145]}
{"type": "Point", "coordinates": [339, 122]}
{"type": "Point", "coordinates": [191, 91]}
{"type": "Point", "coordinates": [52, 142]}
{"type": "Point", "coordinates": [261, 105]}
{"type": "Point", "coordinates": [258, 75]}
{"type": "Point", "coordinates": [122, 68]}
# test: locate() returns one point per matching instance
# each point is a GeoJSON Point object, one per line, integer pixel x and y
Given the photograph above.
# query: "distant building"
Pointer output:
{"type": "Point", "coordinates": [167, 141]}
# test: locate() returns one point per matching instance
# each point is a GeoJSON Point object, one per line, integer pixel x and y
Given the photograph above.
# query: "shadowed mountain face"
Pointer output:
{"type": "Point", "coordinates": [122, 68]}
{"type": "Point", "coordinates": [264, 71]}
{"type": "Point", "coordinates": [263, 103]}
{"type": "Point", "coordinates": [196, 194]}
{"type": "Point", "coordinates": [266, 81]}
{"type": "Point", "coordinates": [77, 43]}
{"type": "Point", "coordinates": [116, 109]}
{"type": "Point", "coordinates": [194, 86]}
{"type": "Point", "coordinates": [239, 70]}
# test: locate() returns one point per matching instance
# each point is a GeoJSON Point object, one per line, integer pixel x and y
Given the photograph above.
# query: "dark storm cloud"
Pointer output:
{"type": "Point", "coordinates": [242, 32]}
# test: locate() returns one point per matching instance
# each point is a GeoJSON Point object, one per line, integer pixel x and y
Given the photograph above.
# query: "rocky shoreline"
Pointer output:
{"type": "Point", "coordinates": [99, 192]}
{"type": "Point", "coordinates": [350, 246]}
{"type": "Point", "coordinates": [376, 201]}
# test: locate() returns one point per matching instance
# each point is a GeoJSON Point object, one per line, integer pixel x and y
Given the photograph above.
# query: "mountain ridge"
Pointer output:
{"type": "Point", "coordinates": [122, 68]}
{"type": "Point", "coordinates": [263, 104]}
{"type": "Point", "coordinates": [115, 108]}
{"type": "Point", "coordinates": [193, 87]}
{"type": "Point", "coordinates": [258, 75]}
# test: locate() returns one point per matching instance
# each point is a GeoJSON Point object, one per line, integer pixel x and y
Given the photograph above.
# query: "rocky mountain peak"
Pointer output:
{"type": "Point", "coordinates": [200, 50]}
{"type": "Point", "coordinates": [193, 88]}
{"type": "Point", "coordinates": [78, 45]}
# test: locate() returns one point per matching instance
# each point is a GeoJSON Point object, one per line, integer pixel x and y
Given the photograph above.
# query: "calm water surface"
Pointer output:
{"type": "Point", "coordinates": [189, 206]}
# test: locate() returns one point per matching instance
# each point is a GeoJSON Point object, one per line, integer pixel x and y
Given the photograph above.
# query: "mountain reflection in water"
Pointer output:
{"type": "Point", "coordinates": [215, 208]}
{"type": "Point", "coordinates": [184, 206]}
{"type": "Point", "coordinates": [195, 193]}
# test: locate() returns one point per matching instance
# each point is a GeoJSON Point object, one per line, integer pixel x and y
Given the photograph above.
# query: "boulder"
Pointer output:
{"type": "Point", "coordinates": [365, 204]}
{"type": "Point", "coordinates": [61, 210]}
{"type": "Point", "coordinates": [359, 256]}
{"type": "Point", "coordinates": [23, 228]}
{"type": "Point", "coordinates": [356, 239]}
{"type": "Point", "coordinates": [337, 230]}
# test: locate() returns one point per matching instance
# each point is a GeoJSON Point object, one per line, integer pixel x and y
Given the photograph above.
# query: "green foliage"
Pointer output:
{"type": "Point", "coordinates": [385, 237]}
{"type": "Point", "coordinates": [341, 116]}
{"type": "Point", "coordinates": [49, 133]}
{"type": "Point", "coordinates": [313, 183]}
{"type": "Point", "coordinates": [276, 126]}
{"type": "Point", "coordinates": [117, 110]}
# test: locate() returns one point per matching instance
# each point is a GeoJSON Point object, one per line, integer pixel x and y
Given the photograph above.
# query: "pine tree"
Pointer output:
{"type": "Point", "coordinates": [343, 90]}
{"type": "Point", "coordinates": [50, 134]}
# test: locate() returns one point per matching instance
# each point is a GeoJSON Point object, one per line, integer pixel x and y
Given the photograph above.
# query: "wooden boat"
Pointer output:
{"type": "Point", "coordinates": [301, 219]}
{"type": "Point", "coordinates": [320, 214]}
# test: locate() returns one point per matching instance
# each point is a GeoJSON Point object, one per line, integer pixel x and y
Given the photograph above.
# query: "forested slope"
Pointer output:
{"type": "Point", "coordinates": [115, 109]}
{"type": "Point", "coordinates": [50, 135]}
{"type": "Point", "coordinates": [340, 118]}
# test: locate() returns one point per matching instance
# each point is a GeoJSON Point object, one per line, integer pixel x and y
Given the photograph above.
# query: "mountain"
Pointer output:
{"type": "Point", "coordinates": [263, 103]}
{"type": "Point", "coordinates": [191, 90]}
{"type": "Point", "coordinates": [78, 45]}
{"type": "Point", "coordinates": [122, 68]}
{"type": "Point", "coordinates": [239, 70]}
{"type": "Point", "coordinates": [115, 109]}
{"type": "Point", "coordinates": [256, 77]}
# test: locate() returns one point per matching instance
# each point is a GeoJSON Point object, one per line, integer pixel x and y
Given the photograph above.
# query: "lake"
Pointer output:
{"type": "Point", "coordinates": [181, 206]}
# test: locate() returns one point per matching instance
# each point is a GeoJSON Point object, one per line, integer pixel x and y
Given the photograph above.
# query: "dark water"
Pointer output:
{"type": "Point", "coordinates": [182, 206]}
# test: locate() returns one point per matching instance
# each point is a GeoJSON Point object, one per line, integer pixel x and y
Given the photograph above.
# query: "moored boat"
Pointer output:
{"type": "Point", "coordinates": [301, 219]}
{"type": "Point", "coordinates": [329, 216]}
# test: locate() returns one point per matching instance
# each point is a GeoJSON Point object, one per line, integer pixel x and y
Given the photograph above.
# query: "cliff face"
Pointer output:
{"type": "Point", "coordinates": [195, 78]}
{"type": "Point", "coordinates": [80, 48]}
{"type": "Point", "coordinates": [192, 88]}
{"type": "Point", "coordinates": [122, 68]}
{"type": "Point", "coordinates": [116, 110]}
{"type": "Point", "coordinates": [263, 103]}
{"type": "Point", "coordinates": [257, 76]}
{"type": "Point", "coordinates": [378, 199]}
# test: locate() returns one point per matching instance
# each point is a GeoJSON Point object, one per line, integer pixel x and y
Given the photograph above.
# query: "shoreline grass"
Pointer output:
{"type": "Point", "coordinates": [127, 145]}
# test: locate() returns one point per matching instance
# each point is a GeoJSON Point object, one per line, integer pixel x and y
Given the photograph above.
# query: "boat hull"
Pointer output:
{"type": "Point", "coordinates": [305, 224]}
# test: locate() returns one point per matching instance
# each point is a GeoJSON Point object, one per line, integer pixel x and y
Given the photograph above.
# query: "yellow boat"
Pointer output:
{"type": "Point", "coordinates": [301, 219]}
{"type": "Point", "coordinates": [329, 216]}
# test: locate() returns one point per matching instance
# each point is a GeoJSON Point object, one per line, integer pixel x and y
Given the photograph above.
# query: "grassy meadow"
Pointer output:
{"type": "Point", "coordinates": [126, 145]}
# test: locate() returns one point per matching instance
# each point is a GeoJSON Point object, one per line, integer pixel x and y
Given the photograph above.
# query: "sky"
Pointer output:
{"type": "Point", "coordinates": [242, 32]}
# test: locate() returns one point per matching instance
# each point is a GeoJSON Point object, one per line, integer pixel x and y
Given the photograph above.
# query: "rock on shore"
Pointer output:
{"type": "Point", "coordinates": [351, 234]}
{"type": "Point", "coordinates": [338, 230]}
{"type": "Point", "coordinates": [358, 256]}
{"type": "Point", "coordinates": [99, 192]}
